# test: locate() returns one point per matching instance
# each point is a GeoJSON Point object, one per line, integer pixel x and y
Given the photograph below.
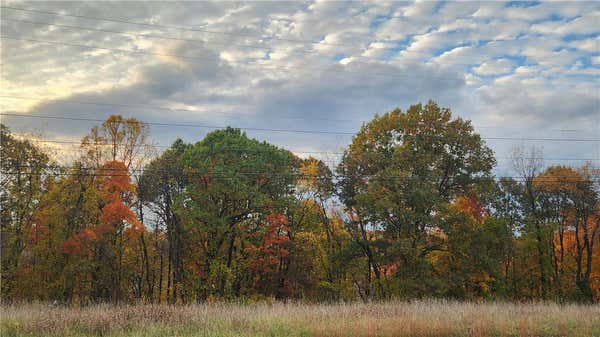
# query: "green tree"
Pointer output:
{"type": "Point", "coordinates": [569, 203]}
{"type": "Point", "coordinates": [474, 250]}
{"type": "Point", "coordinates": [505, 201]}
{"type": "Point", "coordinates": [528, 167]}
{"type": "Point", "coordinates": [24, 167]}
{"type": "Point", "coordinates": [162, 182]}
{"type": "Point", "coordinates": [400, 171]}
{"type": "Point", "coordinates": [233, 183]}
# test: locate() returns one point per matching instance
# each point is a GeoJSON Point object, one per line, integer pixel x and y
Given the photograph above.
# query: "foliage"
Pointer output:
{"type": "Point", "coordinates": [412, 211]}
{"type": "Point", "coordinates": [398, 175]}
{"type": "Point", "coordinates": [21, 186]}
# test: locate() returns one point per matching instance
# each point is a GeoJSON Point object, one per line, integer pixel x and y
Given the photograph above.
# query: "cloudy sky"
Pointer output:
{"type": "Point", "coordinates": [517, 70]}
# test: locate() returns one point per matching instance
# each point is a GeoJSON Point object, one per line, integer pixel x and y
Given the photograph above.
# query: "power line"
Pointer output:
{"type": "Point", "coordinates": [149, 35]}
{"type": "Point", "coordinates": [329, 157]}
{"type": "Point", "coordinates": [186, 125]}
{"type": "Point", "coordinates": [226, 175]}
{"type": "Point", "coordinates": [175, 27]}
{"type": "Point", "coordinates": [333, 153]}
{"type": "Point", "coordinates": [180, 28]}
{"type": "Point", "coordinates": [150, 107]}
{"type": "Point", "coordinates": [168, 146]}
{"type": "Point", "coordinates": [212, 42]}
{"type": "Point", "coordinates": [162, 108]}
{"type": "Point", "coordinates": [264, 66]}
{"type": "Point", "coordinates": [288, 130]}
{"type": "Point", "coordinates": [162, 37]}
{"type": "Point", "coordinates": [291, 175]}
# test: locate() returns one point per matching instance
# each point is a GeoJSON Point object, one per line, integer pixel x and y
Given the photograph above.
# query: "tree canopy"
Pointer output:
{"type": "Point", "coordinates": [411, 210]}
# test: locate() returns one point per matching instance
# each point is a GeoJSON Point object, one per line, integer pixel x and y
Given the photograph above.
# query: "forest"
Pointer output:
{"type": "Point", "coordinates": [413, 210]}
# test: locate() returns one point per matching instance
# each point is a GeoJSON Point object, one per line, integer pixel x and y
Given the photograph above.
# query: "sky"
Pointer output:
{"type": "Point", "coordinates": [320, 69]}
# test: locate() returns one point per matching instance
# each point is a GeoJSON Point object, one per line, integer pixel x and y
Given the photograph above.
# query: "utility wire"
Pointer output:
{"type": "Point", "coordinates": [289, 130]}
{"type": "Point", "coordinates": [175, 27]}
{"type": "Point", "coordinates": [104, 168]}
{"type": "Point", "coordinates": [228, 175]}
{"type": "Point", "coordinates": [268, 49]}
{"type": "Point", "coordinates": [150, 36]}
{"type": "Point", "coordinates": [150, 107]}
{"type": "Point", "coordinates": [185, 125]}
{"type": "Point", "coordinates": [333, 153]}
{"type": "Point", "coordinates": [237, 175]}
{"type": "Point", "coordinates": [162, 108]}
{"type": "Point", "coordinates": [196, 58]}
{"type": "Point", "coordinates": [181, 28]}
{"type": "Point", "coordinates": [168, 146]}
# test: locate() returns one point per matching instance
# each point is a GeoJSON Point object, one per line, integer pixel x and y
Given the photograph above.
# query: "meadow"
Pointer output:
{"type": "Point", "coordinates": [418, 318]}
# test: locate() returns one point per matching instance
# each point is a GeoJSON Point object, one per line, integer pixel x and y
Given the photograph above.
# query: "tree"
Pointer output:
{"type": "Point", "coordinates": [125, 140]}
{"type": "Point", "coordinates": [317, 239]}
{"type": "Point", "coordinates": [161, 184]}
{"type": "Point", "coordinates": [528, 167]}
{"type": "Point", "coordinates": [505, 201]}
{"type": "Point", "coordinates": [570, 202]}
{"type": "Point", "coordinates": [78, 236]}
{"type": "Point", "coordinates": [474, 249]}
{"type": "Point", "coordinates": [233, 217]}
{"type": "Point", "coordinates": [48, 273]}
{"type": "Point", "coordinates": [117, 224]}
{"type": "Point", "coordinates": [232, 183]}
{"type": "Point", "coordinates": [24, 168]}
{"type": "Point", "coordinates": [117, 139]}
{"type": "Point", "coordinates": [268, 257]}
{"type": "Point", "coordinates": [401, 169]}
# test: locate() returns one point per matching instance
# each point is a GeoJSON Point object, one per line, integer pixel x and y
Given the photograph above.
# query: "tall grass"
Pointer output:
{"type": "Point", "coordinates": [423, 318]}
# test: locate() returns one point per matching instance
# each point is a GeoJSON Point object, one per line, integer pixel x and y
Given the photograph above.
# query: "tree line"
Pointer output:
{"type": "Point", "coordinates": [412, 210]}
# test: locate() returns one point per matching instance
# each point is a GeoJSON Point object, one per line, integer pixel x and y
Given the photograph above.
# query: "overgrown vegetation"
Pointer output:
{"type": "Point", "coordinates": [416, 319]}
{"type": "Point", "coordinates": [411, 211]}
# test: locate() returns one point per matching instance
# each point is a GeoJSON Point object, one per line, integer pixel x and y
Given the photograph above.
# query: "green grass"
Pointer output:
{"type": "Point", "coordinates": [417, 319]}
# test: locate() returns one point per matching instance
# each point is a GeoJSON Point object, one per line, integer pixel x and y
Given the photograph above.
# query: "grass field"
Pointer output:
{"type": "Point", "coordinates": [428, 318]}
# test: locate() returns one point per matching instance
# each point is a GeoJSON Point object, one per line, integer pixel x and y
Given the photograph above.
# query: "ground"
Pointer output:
{"type": "Point", "coordinates": [421, 318]}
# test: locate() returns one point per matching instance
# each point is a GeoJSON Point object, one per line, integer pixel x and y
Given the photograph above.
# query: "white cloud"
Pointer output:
{"type": "Point", "coordinates": [495, 67]}
{"type": "Point", "coordinates": [490, 62]}
{"type": "Point", "coordinates": [590, 45]}
{"type": "Point", "coordinates": [585, 24]}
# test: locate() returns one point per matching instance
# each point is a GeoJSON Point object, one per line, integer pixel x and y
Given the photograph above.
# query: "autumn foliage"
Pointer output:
{"type": "Point", "coordinates": [411, 211]}
{"type": "Point", "coordinates": [114, 184]}
{"type": "Point", "coordinates": [267, 255]}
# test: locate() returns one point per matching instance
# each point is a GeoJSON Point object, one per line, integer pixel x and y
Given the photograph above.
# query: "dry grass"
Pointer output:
{"type": "Point", "coordinates": [427, 318]}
